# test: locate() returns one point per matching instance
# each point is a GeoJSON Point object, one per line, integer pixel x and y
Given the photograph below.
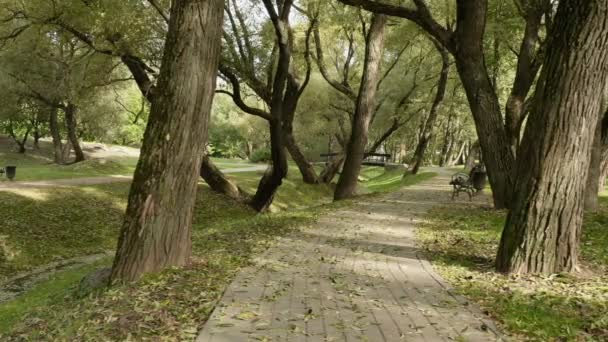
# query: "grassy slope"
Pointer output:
{"type": "Point", "coordinates": [462, 242]}
{"type": "Point", "coordinates": [225, 236]}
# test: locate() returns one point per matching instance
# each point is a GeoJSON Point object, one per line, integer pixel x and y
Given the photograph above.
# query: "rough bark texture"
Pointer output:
{"type": "Point", "coordinates": [347, 184]}
{"type": "Point", "coordinates": [593, 178]}
{"type": "Point", "coordinates": [157, 229]}
{"type": "Point", "coordinates": [604, 158]}
{"type": "Point", "coordinates": [219, 183]}
{"type": "Point", "coordinates": [331, 170]}
{"type": "Point", "coordinates": [429, 124]}
{"type": "Point", "coordinates": [71, 123]}
{"type": "Point", "coordinates": [56, 136]}
{"type": "Point", "coordinates": [542, 232]}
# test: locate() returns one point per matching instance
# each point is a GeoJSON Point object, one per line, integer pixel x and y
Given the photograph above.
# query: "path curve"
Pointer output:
{"type": "Point", "coordinates": [16, 185]}
{"type": "Point", "coordinates": [355, 275]}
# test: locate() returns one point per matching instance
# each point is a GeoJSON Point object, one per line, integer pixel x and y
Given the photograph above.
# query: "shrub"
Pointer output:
{"type": "Point", "coordinates": [260, 155]}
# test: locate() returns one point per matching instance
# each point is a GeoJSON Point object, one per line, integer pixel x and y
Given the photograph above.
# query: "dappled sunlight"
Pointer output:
{"type": "Point", "coordinates": [33, 194]}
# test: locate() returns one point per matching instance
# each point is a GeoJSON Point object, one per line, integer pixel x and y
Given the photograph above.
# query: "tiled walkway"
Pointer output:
{"type": "Point", "coordinates": [355, 276]}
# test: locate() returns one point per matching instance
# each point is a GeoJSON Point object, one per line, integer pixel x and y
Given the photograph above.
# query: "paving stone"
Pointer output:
{"type": "Point", "coordinates": [356, 275]}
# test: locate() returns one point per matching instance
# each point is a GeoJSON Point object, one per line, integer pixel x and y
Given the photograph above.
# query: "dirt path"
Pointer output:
{"type": "Point", "coordinates": [356, 275]}
{"type": "Point", "coordinates": [7, 185]}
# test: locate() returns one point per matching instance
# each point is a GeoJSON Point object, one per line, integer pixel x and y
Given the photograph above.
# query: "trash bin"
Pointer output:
{"type": "Point", "coordinates": [11, 172]}
{"type": "Point", "coordinates": [479, 178]}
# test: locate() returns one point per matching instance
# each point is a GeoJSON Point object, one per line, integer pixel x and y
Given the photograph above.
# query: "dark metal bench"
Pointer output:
{"type": "Point", "coordinates": [371, 159]}
{"type": "Point", "coordinates": [471, 184]}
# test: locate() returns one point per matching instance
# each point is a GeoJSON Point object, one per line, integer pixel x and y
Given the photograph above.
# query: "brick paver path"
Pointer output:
{"type": "Point", "coordinates": [355, 276]}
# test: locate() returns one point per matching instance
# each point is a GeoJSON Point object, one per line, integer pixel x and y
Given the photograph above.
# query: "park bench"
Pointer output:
{"type": "Point", "coordinates": [471, 184]}
{"type": "Point", "coordinates": [370, 159]}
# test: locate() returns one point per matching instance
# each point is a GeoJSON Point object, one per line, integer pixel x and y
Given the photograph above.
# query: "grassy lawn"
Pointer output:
{"type": "Point", "coordinates": [40, 226]}
{"type": "Point", "coordinates": [32, 167]}
{"type": "Point", "coordinates": [461, 241]}
{"type": "Point", "coordinates": [393, 180]}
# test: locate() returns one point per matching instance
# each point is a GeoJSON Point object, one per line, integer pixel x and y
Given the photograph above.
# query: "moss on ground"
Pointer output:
{"type": "Point", "coordinates": [461, 241]}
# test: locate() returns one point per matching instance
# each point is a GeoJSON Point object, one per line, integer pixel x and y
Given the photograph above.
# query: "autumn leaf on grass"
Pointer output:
{"type": "Point", "coordinates": [246, 315]}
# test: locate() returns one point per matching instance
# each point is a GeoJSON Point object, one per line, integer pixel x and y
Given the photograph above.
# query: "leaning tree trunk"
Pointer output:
{"type": "Point", "coordinates": [355, 149]}
{"type": "Point", "coordinates": [485, 107]}
{"type": "Point", "coordinates": [56, 137]}
{"type": "Point", "coordinates": [307, 170]}
{"type": "Point", "coordinates": [542, 232]}
{"type": "Point", "coordinates": [71, 125]}
{"type": "Point", "coordinates": [429, 125]}
{"type": "Point", "coordinates": [157, 229]}
{"type": "Point", "coordinates": [593, 178]}
{"type": "Point", "coordinates": [219, 183]}
{"type": "Point", "coordinates": [273, 177]}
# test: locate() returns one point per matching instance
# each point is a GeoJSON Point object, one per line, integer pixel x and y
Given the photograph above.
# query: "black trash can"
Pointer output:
{"type": "Point", "coordinates": [11, 172]}
{"type": "Point", "coordinates": [479, 178]}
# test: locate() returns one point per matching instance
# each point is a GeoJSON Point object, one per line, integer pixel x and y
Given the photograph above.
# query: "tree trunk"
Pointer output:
{"type": "Point", "coordinates": [470, 62]}
{"type": "Point", "coordinates": [593, 178]}
{"type": "Point", "coordinates": [279, 105]}
{"type": "Point", "coordinates": [56, 137]}
{"type": "Point", "coordinates": [157, 229]}
{"type": "Point", "coordinates": [527, 69]}
{"type": "Point", "coordinates": [331, 170]}
{"type": "Point", "coordinates": [604, 158]}
{"type": "Point", "coordinates": [71, 125]}
{"type": "Point", "coordinates": [474, 153]}
{"type": "Point", "coordinates": [542, 232]}
{"type": "Point", "coordinates": [219, 183]}
{"type": "Point", "coordinates": [347, 184]}
{"type": "Point", "coordinates": [429, 125]}
{"type": "Point", "coordinates": [307, 170]}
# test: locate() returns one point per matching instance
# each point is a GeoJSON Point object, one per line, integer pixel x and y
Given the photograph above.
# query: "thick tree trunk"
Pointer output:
{"type": "Point", "coordinates": [157, 229]}
{"type": "Point", "coordinates": [542, 233]}
{"type": "Point", "coordinates": [593, 178]}
{"type": "Point", "coordinates": [219, 183]}
{"type": "Point", "coordinates": [429, 125]}
{"type": "Point", "coordinates": [56, 137]}
{"type": "Point", "coordinates": [71, 124]}
{"type": "Point", "coordinates": [347, 184]}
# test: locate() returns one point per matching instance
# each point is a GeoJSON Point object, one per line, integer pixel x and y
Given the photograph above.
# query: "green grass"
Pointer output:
{"type": "Point", "coordinates": [461, 241]}
{"type": "Point", "coordinates": [48, 292]}
{"type": "Point", "coordinates": [393, 180]}
{"type": "Point", "coordinates": [54, 224]}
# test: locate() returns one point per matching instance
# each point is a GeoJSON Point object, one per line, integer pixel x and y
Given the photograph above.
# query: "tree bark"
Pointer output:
{"type": "Point", "coordinates": [331, 170]}
{"type": "Point", "coordinates": [429, 125]}
{"type": "Point", "coordinates": [470, 62]}
{"type": "Point", "coordinates": [157, 228]}
{"type": "Point", "coordinates": [219, 183]}
{"type": "Point", "coordinates": [592, 188]}
{"type": "Point", "coordinates": [273, 177]}
{"type": "Point", "coordinates": [71, 122]}
{"type": "Point", "coordinates": [542, 232]}
{"type": "Point", "coordinates": [56, 136]}
{"type": "Point", "coordinates": [474, 153]}
{"type": "Point", "coordinates": [347, 184]}
{"type": "Point", "coordinates": [604, 159]}
{"type": "Point", "coordinates": [309, 175]}
{"type": "Point", "coordinates": [528, 65]}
